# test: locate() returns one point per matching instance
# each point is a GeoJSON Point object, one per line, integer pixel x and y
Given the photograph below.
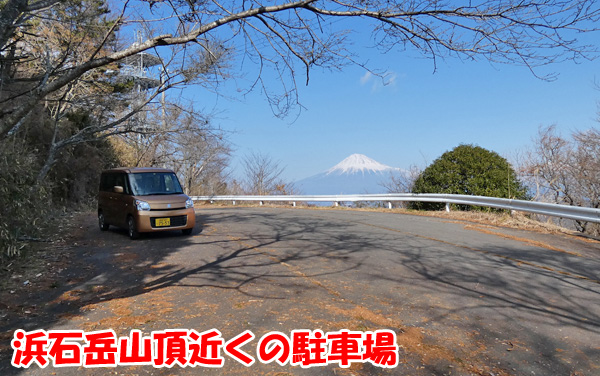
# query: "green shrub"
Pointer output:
{"type": "Point", "coordinates": [468, 170]}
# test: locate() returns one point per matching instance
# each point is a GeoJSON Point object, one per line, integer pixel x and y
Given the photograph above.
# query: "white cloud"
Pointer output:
{"type": "Point", "coordinates": [366, 78]}
{"type": "Point", "coordinates": [389, 78]}
{"type": "Point", "coordinates": [378, 82]}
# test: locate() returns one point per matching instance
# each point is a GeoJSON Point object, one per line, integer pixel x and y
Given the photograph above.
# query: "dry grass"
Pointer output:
{"type": "Point", "coordinates": [516, 220]}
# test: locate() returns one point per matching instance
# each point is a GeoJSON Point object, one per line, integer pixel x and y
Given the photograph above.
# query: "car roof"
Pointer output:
{"type": "Point", "coordinates": [136, 170]}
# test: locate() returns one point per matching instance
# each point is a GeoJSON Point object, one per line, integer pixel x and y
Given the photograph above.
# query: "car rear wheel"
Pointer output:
{"type": "Point", "coordinates": [102, 222]}
{"type": "Point", "coordinates": [132, 229]}
{"type": "Point", "coordinates": [187, 231]}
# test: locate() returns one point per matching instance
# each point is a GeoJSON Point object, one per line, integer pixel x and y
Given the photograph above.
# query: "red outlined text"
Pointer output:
{"type": "Point", "coordinates": [189, 348]}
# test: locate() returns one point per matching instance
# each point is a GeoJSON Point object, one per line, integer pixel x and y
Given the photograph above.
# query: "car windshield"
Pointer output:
{"type": "Point", "coordinates": [154, 183]}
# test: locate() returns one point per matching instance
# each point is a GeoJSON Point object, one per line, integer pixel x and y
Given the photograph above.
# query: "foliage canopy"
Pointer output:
{"type": "Point", "coordinates": [468, 170]}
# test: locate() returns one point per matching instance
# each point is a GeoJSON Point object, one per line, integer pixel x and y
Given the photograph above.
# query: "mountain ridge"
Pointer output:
{"type": "Point", "coordinates": [356, 174]}
{"type": "Point", "coordinates": [358, 162]}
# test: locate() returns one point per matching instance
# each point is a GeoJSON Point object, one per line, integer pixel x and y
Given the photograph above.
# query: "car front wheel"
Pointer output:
{"type": "Point", "coordinates": [132, 229]}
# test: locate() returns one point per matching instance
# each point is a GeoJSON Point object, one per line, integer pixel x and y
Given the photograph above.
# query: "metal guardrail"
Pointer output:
{"type": "Point", "coordinates": [542, 208]}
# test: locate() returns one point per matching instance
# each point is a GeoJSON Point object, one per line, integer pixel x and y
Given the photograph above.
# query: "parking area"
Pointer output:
{"type": "Point", "coordinates": [462, 298]}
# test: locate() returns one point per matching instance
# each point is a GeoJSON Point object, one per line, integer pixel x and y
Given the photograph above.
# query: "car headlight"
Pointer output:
{"type": "Point", "coordinates": [189, 203]}
{"type": "Point", "coordinates": [142, 205]}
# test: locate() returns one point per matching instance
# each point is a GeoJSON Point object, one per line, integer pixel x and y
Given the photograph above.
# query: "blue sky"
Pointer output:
{"type": "Point", "coordinates": [413, 119]}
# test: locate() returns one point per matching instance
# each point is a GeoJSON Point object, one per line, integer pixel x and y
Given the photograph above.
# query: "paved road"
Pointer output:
{"type": "Point", "coordinates": [463, 298]}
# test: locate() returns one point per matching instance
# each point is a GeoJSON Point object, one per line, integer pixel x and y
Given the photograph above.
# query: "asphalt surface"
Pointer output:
{"type": "Point", "coordinates": [463, 298]}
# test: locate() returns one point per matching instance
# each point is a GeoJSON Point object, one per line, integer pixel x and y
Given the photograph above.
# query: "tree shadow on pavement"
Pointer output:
{"type": "Point", "coordinates": [527, 310]}
{"type": "Point", "coordinates": [108, 266]}
{"type": "Point", "coordinates": [506, 303]}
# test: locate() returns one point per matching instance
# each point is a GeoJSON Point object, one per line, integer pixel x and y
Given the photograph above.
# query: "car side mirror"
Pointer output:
{"type": "Point", "coordinates": [118, 189]}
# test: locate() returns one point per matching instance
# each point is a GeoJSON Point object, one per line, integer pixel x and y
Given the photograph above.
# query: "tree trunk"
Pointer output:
{"type": "Point", "coordinates": [50, 160]}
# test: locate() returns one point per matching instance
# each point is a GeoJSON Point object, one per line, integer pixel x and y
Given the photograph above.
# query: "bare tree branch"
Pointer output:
{"type": "Point", "coordinates": [530, 33]}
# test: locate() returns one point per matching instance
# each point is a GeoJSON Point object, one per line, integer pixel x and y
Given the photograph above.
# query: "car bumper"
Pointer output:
{"type": "Point", "coordinates": [179, 219]}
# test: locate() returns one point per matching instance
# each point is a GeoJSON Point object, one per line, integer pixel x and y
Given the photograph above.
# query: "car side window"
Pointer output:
{"type": "Point", "coordinates": [119, 179]}
{"type": "Point", "coordinates": [106, 182]}
{"type": "Point", "coordinates": [126, 184]}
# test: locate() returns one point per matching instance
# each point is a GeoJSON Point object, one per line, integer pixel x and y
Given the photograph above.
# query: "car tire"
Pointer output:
{"type": "Point", "coordinates": [102, 222]}
{"type": "Point", "coordinates": [132, 229]}
{"type": "Point", "coordinates": [187, 231]}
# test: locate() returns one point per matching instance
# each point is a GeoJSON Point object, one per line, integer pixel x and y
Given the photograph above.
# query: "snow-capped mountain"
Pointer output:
{"type": "Point", "coordinates": [354, 175]}
{"type": "Point", "coordinates": [358, 163]}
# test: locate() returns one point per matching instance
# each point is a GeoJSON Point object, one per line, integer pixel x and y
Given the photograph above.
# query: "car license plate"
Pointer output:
{"type": "Point", "coordinates": [162, 222]}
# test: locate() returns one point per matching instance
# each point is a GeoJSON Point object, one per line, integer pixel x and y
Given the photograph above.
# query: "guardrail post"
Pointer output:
{"type": "Point", "coordinates": [294, 204]}
{"type": "Point", "coordinates": [233, 203]}
{"type": "Point", "coordinates": [336, 203]}
{"type": "Point", "coordinates": [212, 202]}
{"type": "Point", "coordinates": [448, 207]}
{"type": "Point", "coordinates": [261, 203]}
{"type": "Point", "coordinates": [389, 205]}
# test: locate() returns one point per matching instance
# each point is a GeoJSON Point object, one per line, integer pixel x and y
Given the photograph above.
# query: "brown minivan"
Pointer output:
{"type": "Point", "coordinates": [144, 200]}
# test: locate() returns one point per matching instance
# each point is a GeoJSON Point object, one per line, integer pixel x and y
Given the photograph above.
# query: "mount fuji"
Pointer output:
{"type": "Point", "coordinates": [356, 174]}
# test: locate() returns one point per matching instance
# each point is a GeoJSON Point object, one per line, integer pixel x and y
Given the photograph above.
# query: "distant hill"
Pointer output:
{"type": "Point", "coordinates": [356, 174]}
